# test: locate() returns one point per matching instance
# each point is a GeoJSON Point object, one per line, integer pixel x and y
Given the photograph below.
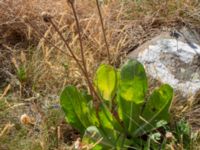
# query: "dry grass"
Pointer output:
{"type": "Point", "coordinates": [128, 24]}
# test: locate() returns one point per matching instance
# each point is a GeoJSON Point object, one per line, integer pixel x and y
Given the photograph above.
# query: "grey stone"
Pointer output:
{"type": "Point", "coordinates": [173, 59]}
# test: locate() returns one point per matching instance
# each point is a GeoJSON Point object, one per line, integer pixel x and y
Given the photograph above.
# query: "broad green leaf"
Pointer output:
{"type": "Point", "coordinates": [107, 119]}
{"type": "Point", "coordinates": [77, 111]}
{"type": "Point", "coordinates": [157, 108]}
{"type": "Point", "coordinates": [106, 81]}
{"type": "Point", "coordinates": [133, 82]}
{"type": "Point", "coordinates": [109, 126]}
{"type": "Point", "coordinates": [131, 94]}
{"type": "Point", "coordinates": [129, 112]}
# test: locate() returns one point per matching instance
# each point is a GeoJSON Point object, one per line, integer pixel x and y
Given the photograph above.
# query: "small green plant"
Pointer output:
{"type": "Point", "coordinates": [125, 115]}
{"type": "Point", "coordinates": [118, 113]}
{"type": "Point", "coordinates": [183, 134]}
{"type": "Point", "coordinates": [21, 73]}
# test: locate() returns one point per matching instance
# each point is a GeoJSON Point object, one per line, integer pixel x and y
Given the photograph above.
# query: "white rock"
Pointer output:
{"type": "Point", "coordinates": [172, 61]}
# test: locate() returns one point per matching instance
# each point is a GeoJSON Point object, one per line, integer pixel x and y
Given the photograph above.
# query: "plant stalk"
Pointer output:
{"type": "Point", "coordinates": [79, 35]}
{"type": "Point", "coordinates": [91, 87]}
{"type": "Point", "coordinates": [103, 30]}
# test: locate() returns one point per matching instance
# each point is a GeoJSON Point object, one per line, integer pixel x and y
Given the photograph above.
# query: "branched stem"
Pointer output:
{"type": "Point", "coordinates": [92, 90]}
{"type": "Point", "coordinates": [103, 30]}
{"type": "Point", "coordinates": [82, 66]}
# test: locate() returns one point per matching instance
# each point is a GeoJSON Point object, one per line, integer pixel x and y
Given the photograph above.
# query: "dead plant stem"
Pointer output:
{"type": "Point", "coordinates": [91, 87]}
{"type": "Point", "coordinates": [79, 35]}
{"type": "Point", "coordinates": [103, 30]}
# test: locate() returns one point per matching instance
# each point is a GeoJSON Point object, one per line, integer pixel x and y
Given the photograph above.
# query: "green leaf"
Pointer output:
{"type": "Point", "coordinates": [107, 120]}
{"type": "Point", "coordinates": [109, 127]}
{"type": "Point", "coordinates": [77, 111]}
{"type": "Point", "coordinates": [22, 73]}
{"type": "Point", "coordinates": [133, 82]}
{"type": "Point", "coordinates": [129, 112]}
{"type": "Point", "coordinates": [157, 108]}
{"type": "Point", "coordinates": [106, 81]}
{"type": "Point", "coordinates": [131, 94]}
{"type": "Point", "coordinates": [107, 123]}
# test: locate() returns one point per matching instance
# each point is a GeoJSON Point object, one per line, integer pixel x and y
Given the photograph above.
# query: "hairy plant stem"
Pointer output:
{"type": "Point", "coordinates": [103, 30]}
